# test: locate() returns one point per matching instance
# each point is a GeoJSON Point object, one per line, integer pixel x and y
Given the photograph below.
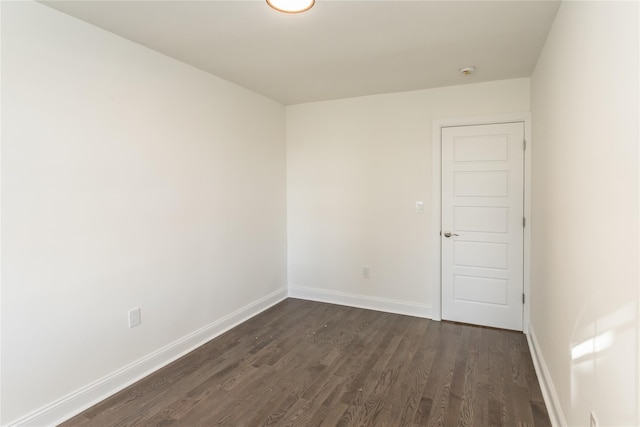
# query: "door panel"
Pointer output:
{"type": "Point", "coordinates": [482, 208]}
{"type": "Point", "coordinates": [484, 219]}
{"type": "Point", "coordinates": [480, 184]}
{"type": "Point", "coordinates": [480, 254]}
{"type": "Point", "coordinates": [480, 289]}
{"type": "Point", "coordinates": [470, 149]}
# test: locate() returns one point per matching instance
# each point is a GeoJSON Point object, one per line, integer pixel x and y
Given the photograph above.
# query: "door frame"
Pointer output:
{"type": "Point", "coordinates": [435, 277]}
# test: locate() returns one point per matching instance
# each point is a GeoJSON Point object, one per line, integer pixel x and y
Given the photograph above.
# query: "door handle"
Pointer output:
{"type": "Point", "coordinates": [448, 234]}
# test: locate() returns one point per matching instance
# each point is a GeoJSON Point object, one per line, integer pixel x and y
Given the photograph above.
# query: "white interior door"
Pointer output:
{"type": "Point", "coordinates": [482, 224]}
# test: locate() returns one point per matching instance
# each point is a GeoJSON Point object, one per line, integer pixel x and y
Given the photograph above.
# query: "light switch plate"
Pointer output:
{"type": "Point", "coordinates": [134, 317]}
{"type": "Point", "coordinates": [420, 207]}
{"type": "Point", "coordinates": [365, 272]}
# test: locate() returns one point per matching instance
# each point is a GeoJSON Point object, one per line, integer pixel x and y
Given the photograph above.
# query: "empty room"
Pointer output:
{"type": "Point", "coordinates": [329, 213]}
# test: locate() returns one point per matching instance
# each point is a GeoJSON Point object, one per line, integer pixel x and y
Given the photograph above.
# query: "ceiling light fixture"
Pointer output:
{"type": "Point", "coordinates": [466, 71]}
{"type": "Point", "coordinates": [291, 6]}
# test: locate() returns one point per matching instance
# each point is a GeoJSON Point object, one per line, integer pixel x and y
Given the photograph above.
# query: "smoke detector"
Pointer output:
{"type": "Point", "coordinates": [466, 71]}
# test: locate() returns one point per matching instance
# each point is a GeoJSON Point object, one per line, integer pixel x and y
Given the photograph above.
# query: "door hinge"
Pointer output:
{"type": "Point", "coordinates": [524, 222]}
{"type": "Point", "coordinates": [523, 298]}
{"type": "Point", "coordinates": [524, 145]}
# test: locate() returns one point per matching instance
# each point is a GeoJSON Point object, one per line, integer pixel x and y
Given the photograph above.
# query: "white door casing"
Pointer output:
{"type": "Point", "coordinates": [482, 208]}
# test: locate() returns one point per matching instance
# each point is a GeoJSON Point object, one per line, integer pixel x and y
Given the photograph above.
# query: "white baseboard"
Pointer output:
{"type": "Point", "coordinates": [546, 384]}
{"type": "Point", "coordinates": [362, 301]}
{"type": "Point", "coordinates": [76, 402]}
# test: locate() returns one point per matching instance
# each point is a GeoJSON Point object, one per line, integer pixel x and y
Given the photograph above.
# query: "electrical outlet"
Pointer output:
{"type": "Point", "coordinates": [134, 317]}
{"type": "Point", "coordinates": [365, 272]}
{"type": "Point", "coordinates": [419, 207]}
{"type": "Point", "coordinates": [593, 420]}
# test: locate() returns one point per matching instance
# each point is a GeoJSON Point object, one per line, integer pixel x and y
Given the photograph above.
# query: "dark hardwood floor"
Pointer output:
{"type": "Point", "coordinates": [311, 364]}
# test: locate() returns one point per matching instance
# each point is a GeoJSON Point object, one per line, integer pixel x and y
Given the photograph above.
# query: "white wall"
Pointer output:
{"type": "Point", "coordinates": [128, 179]}
{"type": "Point", "coordinates": [355, 168]}
{"type": "Point", "coordinates": [585, 211]}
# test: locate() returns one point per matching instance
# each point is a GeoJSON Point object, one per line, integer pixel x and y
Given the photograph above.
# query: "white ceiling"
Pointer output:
{"type": "Point", "coordinates": [338, 49]}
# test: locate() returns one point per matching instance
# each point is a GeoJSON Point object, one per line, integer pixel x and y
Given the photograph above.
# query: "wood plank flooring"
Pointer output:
{"type": "Point", "coordinates": [304, 363]}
